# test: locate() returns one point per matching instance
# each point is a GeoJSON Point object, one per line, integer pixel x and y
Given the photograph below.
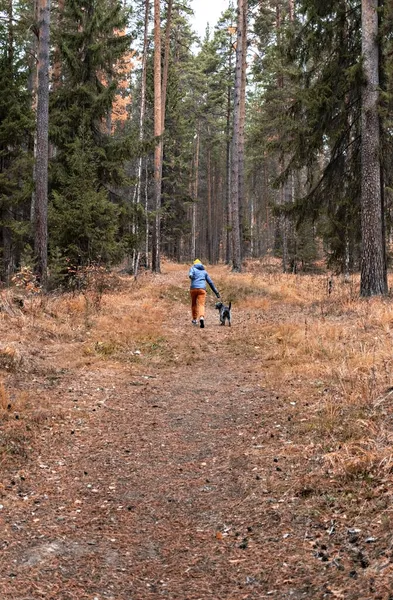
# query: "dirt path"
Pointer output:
{"type": "Point", "coordinates": [173, 483]}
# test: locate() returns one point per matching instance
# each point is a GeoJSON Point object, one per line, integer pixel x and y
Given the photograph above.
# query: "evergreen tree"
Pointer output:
{"type": "Point", "coordinates": [16, 130]}
{"type": "Point", "coordinates": [274, 78]}
{"type": "Point", "coordinates": [83, 223]}
{"type": "Point", "coordinates": [90, 47]}
{"type": "Point", "coordinates": [213, 85]}
{"type": "Point", "coordinates": [318, 128]}
{"type": "Point", "coordinates": [179, 133]}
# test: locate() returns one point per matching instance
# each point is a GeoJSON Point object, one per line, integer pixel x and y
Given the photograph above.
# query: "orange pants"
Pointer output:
{"type": "Point", "coordinates": [198, 299]}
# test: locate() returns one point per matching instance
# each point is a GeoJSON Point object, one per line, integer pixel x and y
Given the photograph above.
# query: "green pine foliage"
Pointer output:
{"type": "Point", "coordinates": [303, 133]}
{"type": "Point", "coordinates": [90, 48]}
{"type": "Point", "coordinates": [88, 183]}
{"type": "Point", "coordinates": [312, 122]}
{"type": "Point", "coordinates": [270, 128]}
{"type": "Point", "coordinates": [179, 132]}
{"type": "Point", "coordinates": [16, 156]}
{"type": "Point", "coordinates": [83, 221]}
{"type": "Point", "coordinates": [213, 99]}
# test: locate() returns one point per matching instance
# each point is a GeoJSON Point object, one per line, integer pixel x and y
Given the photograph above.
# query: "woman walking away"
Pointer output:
{"type": "Point", "coordinates": [199, 276]}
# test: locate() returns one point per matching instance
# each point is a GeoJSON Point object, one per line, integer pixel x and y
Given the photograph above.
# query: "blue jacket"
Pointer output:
{"type": "Point", "coordinates": [199, 276]}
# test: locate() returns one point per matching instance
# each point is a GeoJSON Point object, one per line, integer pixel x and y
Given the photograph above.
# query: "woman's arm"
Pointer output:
{"type": "Point", "coordinates": [213, 287]}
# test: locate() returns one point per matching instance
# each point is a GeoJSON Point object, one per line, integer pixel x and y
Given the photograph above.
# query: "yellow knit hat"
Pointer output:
{"type": "Point", "coordinates": [196, 261]}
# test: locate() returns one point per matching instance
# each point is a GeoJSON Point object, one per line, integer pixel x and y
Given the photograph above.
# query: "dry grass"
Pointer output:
{"type": "Point", "coordinates": [331, 352]}
{"type": "Point", "coordinates": [320, 367]}
{"type": "Point", "coordinates": [328, 351]}
{"type": "Point", "coordinates": [17, 416]}
{"type": "Point", "coordinates": [10, 358]}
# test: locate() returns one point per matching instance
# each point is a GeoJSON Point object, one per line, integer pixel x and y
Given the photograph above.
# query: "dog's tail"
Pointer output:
{"type": "Point", "coordinates": [230, 304]}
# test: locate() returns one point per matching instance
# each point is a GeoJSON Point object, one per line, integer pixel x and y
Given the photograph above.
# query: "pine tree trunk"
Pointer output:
{"type": "Point", "coordinates": [162, 93]}
{"type": "Point", "coordinates": [282, 220]}
{"type": "Point", "coordinates": [209, 230]}
{"type": "Point", "coordinates": [284, 232]}
{"type": "Point", "coordinates": [10, 17]}
{"type": "Point", "coordinates": [157, 132]}
{"type": "Point", "coordinates": [41, 163]}
{"type": "Point", "coordinates": [147, 212]}
{"type": "Point", "coordinates": [373, 270]}
{"type": "Point", "coordinates": [291, 7]}
{"type": "Point", "coordinates": [236, 139]}
{"type": "Point", "coordinates": [217, 213]}
{"type": "Point", "coordinates": [228, 249]}
{"type": "Point", "coordinates": [195, 199]}
{"type": "Point", "coordinates": [242, 187]}
{"type": "Point", "coordinates": [165, 69]}
{"type": "Point", "coordinates": [32, 85]}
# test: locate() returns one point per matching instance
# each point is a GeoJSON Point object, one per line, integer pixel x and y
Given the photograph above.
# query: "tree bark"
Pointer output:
{"type": "Point", "coordinates": [137, 193]}
{"type": "Point", "coordinates": [147, 212]}
{"type": "Point", "coordinates": [373, 268]}
{"type": "Point", "coordinates": [209, 230]}
{"type": "Point", "coordinates": [291, 7]}
{"type": "Point", "coordinates": [242, 117]}
{"type": "Point", "coordinates": [195, 198]}
{"type": "Point", "coordinates": [158, 134]}
{"type": "Point", "coordinates": [228, 249]}
{"type": "Point", "coordinates": [10, 17]}
{"type": "Point", "coordinates": [41, 162]}
{"type": "Point", "coordinates": [237, 134]}
{"type": "Point", "coordinates": [32, 86]}
{"type": "Point", "coordinates": [166, 60]}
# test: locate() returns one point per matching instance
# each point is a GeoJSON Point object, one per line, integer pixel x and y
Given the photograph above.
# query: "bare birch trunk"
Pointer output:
{"type": "Point", "coordinates": [137, 193]}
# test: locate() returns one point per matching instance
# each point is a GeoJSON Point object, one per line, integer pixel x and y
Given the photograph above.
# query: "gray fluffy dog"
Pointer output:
{"type": "Point", "coordinates": [225, 313]}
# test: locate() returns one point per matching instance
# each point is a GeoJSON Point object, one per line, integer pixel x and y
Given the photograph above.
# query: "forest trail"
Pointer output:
{"type": "Point", "coordinates": [179, 479]}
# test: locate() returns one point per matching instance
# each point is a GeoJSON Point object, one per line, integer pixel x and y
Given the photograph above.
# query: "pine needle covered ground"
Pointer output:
{"type": "Point", "coordinates": [144, 458]}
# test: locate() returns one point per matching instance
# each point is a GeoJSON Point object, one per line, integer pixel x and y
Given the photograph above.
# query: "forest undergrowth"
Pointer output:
{"type": "Point", "coordinates": [294, 405]}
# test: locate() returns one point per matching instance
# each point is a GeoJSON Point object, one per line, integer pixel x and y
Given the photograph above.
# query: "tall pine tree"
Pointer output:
{"type": "Point", "coordinates": [89, 47]}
